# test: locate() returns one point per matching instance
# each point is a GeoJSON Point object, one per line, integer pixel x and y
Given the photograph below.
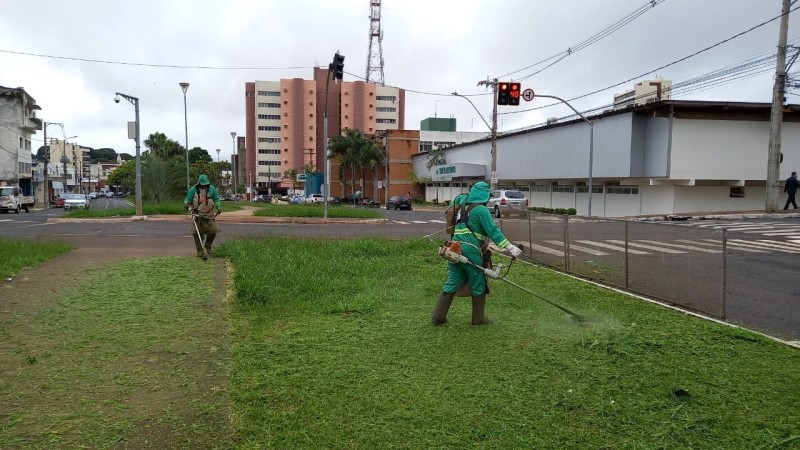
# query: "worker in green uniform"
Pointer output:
{"type": "Point", "coordinates": [202, 199]}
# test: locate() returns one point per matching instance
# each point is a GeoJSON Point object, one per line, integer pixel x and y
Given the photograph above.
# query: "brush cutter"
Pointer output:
{"type": "Point", "coordinates": [202, 238]}
{"type": "Point", "coordinates": [451, 251]}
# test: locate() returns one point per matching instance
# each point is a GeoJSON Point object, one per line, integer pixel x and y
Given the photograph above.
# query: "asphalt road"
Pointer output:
{"type": "Point", "coordinates": [681, 263]}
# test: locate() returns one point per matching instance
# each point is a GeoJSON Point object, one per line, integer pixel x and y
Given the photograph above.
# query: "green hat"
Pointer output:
{"type": "Point", "coordinates": [479, 193]}
{"type": "Point", "coordinates": [204, 180]}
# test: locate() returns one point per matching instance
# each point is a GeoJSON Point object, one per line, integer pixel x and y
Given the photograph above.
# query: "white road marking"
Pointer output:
{"type": "Point", "coordinates": [685, 247]}
{"type": "Point", "coordinates": [543, 249]}
{"type": "Point", "coordinates": [649, 247]}
{"type": "Point", "coordinates": [614, 247]}
{"type": "Point", "coordinates": [579, 248]}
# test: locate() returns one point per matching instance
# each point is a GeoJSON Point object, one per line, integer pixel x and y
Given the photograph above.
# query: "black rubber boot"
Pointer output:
{"type": "Point", "coordinates": [442, 306]}
{"type": "Point", "coordinates": [478, 307]}
{"type": "Point", "coordinates": [209, 241]}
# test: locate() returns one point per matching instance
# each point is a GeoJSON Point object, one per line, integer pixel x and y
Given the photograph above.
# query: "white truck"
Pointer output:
{"type": "Point", "coordinates": [12, 199]}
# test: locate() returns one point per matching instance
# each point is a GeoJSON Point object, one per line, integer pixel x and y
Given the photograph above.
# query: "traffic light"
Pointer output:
{"type": "Point", "coordinates": [503, 94]}
{"type": "Point", "coordinates": [338, 66]}
{"type": "Point", "coordinates": [513, 94]}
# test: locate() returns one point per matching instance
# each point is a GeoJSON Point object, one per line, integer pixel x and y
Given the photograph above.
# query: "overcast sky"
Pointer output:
{"type": "Point", "coordinates": [431, 46]}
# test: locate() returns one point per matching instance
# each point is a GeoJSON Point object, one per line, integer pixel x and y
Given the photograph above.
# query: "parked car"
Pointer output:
{"type": "Point", "coordinates": [262, 199]}
{"type": "Point", "coordinates": [92, 195]}
{"type": "Point", "coordinates": [503, 200]}
{"type": "Point", "coordinates": [399, 202]}
{"type": "Point", "coordinates": [76, 201]}
{"type": "Point", "coordinates": [319, 198]}
{"type": "Point", "coordinates": [109, 194]}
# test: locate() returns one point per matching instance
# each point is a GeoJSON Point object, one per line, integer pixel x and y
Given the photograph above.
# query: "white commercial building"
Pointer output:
{"type": "Point", "coordinates": [670, 157]}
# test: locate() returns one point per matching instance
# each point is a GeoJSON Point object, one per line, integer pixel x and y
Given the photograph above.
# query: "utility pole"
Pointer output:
{"type": "Point", "coordinates": [493, 176]}
{"type": "Point", "coordinates": [774, 154]}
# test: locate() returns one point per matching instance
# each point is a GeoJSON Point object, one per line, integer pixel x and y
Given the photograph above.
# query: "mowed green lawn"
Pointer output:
{"type": "Point", "coordinates": [333, 348]}
{"type": "Point", "coordinates": [328, 344]}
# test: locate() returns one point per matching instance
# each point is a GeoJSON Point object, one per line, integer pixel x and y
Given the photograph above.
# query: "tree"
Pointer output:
{"type": "Point", "coordinates": [292, 175]}
{"type": "Point", "coordinates": [163, 147]}
{"type": "Point", "coordinates": [355, 150]}
{"type": "Point", "coordinates": [435, 158]}
{"type": "Point", "coordinates": [211, 169]}
{"type": "Point", "coordinates": [124, 175]}
{"type": "Point", "coordinates": [161, 179]}
{"type": "Point", "coordinates": [43, 153]}
{"type": "Point", "coordinates": [126, 156]}
{"type": "Point", "coordinates": [200, 155]}
{"type": "Point", "coordinates": [102, 154]}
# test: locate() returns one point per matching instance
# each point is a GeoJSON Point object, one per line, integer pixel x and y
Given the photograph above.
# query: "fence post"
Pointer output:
{"type": "Point", "coordinates": [626, 254]}
{"type": "Point", "coordinates": [566, 243]}
{"type": "Point", "coordinates": [530, 234]}
{"type": "Point", "coordinates": [724, 273]}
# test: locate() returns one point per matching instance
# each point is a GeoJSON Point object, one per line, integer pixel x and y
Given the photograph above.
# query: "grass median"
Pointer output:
{"type": "Point", "coordinates": [333, 348]}
{"type": "Point", "coordinates": [315, 210]}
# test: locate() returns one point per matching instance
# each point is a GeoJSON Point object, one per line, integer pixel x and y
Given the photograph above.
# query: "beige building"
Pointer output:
{"type": "Point", "coordinates": [285, 124]}
{"type": "Point", "coordinates": [647, 91]}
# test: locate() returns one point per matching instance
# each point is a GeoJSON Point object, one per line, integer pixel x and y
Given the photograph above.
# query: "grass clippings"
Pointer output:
{"type": "Point", "coordinates": [134, 355]}
{"type": "Point", "coordinates": [333, 348]}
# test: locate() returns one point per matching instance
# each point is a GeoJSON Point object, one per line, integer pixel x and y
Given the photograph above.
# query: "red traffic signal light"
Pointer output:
{"type": "Point", "coordinates": [502, 94]}
{"type": "Point", "coordinates": [514, 92]}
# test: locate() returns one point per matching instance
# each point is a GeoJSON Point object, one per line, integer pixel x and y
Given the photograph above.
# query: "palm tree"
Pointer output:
{"type": "Point", "coordinates": [292, 175]}
{"type": "Point", "coordinates": [435, 158]}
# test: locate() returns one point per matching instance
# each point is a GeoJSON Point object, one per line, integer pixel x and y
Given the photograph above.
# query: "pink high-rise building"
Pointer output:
{"type": "Point", "coordinates": [285, 121]}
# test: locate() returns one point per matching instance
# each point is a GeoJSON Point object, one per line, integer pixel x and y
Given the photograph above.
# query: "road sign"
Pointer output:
{"type": "Point", "coordinates": [527, 94]}
{"type": "Point", "coordinates": [494, 176]}
{"type": "Point", "coordinates": [380, 184]}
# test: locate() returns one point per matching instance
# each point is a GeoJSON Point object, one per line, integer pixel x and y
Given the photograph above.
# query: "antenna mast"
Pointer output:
{"type": "Point", "coordinates": [375, 53]}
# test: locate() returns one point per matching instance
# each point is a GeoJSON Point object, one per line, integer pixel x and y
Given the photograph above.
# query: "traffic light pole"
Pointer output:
{"type": "Point", "coordinates": [493, 176]}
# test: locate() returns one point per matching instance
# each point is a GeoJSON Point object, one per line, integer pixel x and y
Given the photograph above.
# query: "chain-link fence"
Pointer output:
{"type": "Point", "coordinates": [681, 266]}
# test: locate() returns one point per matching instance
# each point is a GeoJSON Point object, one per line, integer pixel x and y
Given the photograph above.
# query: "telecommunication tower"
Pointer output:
{"type": "Point", "coordinates": [375, 53]}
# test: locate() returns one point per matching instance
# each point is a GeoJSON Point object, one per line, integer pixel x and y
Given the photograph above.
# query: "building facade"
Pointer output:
{"type": "Point", "coordinates": [19, 123]}
{"type": "Point", "coordinates": [662, 158]}
{"type": "Point", "coordinates": [647, 91]}
{"type": "Point", "coordinates": [285, 123]}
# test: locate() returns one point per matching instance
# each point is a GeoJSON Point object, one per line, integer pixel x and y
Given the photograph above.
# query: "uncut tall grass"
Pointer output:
{"type": "Point", "coordinates": [333, 348]}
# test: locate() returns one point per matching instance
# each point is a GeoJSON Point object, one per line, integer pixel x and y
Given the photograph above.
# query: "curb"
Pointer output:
{"type": "Point", "coordinates": [228, 219]}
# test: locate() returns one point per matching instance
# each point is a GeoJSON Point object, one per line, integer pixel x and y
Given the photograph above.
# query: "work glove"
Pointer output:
{"type": "Point", "coordinates": [514, 250]}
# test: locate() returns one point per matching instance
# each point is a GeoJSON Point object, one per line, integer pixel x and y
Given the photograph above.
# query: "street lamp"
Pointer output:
{"type": "Point", "coordinates": [591, 142]}
{"type": "Point", "coordinates": [236, 159]}
{"type": "Point", "coordinates": [135, 102]}
{"type": "Point", "coordinates": [184, 86]}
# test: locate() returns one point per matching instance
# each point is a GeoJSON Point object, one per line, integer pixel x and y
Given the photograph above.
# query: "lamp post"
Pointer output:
{"type": "Point", "coordinates": [184, 86]}
{"type": "Point", "coordinates": [135, 102]}
{"type": "Point", "coordinates": [235, 158]}
{"type": "Point", "coordinates": [591, 142]}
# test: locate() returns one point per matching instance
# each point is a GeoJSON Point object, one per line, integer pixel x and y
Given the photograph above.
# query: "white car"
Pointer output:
{"type": "Point", "coordinates": [92, 195]}
{"type": "Point", "coordinates": [318, 198]}
{"type": "Point", "coordinates": [109, 194]}
{"type": "Point", "coordinates": [78, 201]}
{"type": "Point", "coordinates": [505, 200]}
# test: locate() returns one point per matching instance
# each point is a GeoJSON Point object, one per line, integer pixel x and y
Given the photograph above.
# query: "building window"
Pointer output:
{"type": "Point", "coordinates": [386, 109]}
{"type": "Point", "coordinates": [540, 188]}
{"type": "Point", "coordinates": [268, 128]}
{"type": "Point", "coordinates": [627, 190]}
{"type": "Point", "coordinates": [269, 140]}
{"type": "Point", "coordinates": [269, 105]}
{"type": "Point", "coordinates": [425, 146]}
{"type": "Point", "coordinates": [388, 98]}
{"type": "Point", "coordinates": [737, 192]}
{"type": "Point", "coordinates": [269, 117]}
{"type": "Point", "coordinates": [269, 151]}
{"type": "Point", "coordinates": [269, 163]}
{"type": "Point", "coordinates": [385, 120]}
{"type": "Point", "coordinates": [583, 189]}
{"type": "Point", "coordinates": [563, 188]}
{"type": "Point", "coordinates": [269, 94]}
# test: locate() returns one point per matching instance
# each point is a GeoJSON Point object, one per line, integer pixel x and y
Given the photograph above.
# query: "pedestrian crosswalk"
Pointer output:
{"type": "Point", "coordinates": [610, 247]}
{"type": "Point", "coordinates": [749, 237]}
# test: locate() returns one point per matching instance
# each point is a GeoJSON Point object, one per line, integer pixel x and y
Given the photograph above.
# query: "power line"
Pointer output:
{"type": "Point", "coordinates": [593, 39]}
{"type": "Point", "coordinates": [710, 47]}
{"type": "Point", "coordinates": [168, 66]}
